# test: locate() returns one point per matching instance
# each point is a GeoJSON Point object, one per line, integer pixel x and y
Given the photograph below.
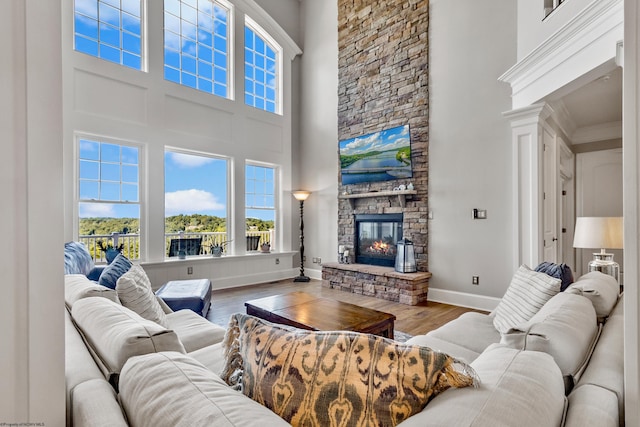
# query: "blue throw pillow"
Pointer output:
{"type": "Point", "coordinates": [559, 271]}
{"type": "Point", "coordinates": [77, 259]}
{"type": "Point", "coordinates": [111, 255]}
{"type": "Point", "coordinates": [113, 271]}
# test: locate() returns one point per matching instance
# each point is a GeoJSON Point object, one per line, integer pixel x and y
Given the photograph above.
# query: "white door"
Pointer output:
{"type": "Point", "coordinates": [567, 205]}
{"type": "Point", "coordinates": [550, 199]}
{"type": "Point", "coordinates": [598, 193]}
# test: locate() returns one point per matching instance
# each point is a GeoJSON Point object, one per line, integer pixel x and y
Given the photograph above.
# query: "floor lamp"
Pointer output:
{"type": "Point", "coordinates": [301, 196]}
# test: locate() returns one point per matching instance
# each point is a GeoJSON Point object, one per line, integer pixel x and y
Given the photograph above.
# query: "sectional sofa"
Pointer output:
{"type": "Point", "coordinates": [562, 366]}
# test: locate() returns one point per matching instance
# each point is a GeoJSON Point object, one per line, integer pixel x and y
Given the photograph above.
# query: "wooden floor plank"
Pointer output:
{"type": "Point", "coordinates": [413, 320]}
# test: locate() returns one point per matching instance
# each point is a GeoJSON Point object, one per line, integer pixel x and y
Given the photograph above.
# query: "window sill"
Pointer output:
{"type": "Point", "coordinates": [208, 258]}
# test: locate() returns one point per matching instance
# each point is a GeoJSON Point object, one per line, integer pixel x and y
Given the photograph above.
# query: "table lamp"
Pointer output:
{"type": "Point", "coordinates": [604, 233]}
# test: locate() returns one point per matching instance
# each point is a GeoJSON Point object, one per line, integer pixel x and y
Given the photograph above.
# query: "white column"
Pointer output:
{"type": "Point", "coordinates": [631, 197]}
{"type": "Point", "coordinates": [527, 126]}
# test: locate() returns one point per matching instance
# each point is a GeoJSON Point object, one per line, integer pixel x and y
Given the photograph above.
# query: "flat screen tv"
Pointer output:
{"type": "Point", "coordinates": [379, 156]}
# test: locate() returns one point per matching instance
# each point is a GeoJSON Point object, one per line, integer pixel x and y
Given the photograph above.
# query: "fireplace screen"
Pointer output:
{"type": "Point", "coordinates": [376, 238]}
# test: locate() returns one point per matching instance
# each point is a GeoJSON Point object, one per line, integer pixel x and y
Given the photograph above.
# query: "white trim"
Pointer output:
{"type": "Point", "coordinates": [269, 24]}
{"type": "Point", "coordinates": [252, 279]}
{"type": "Point", "coordinates": [549, 66]}
{"type": "Point", "coordinates": [599, 132]}
{"type": "Point", "coordinates": [463, 299]}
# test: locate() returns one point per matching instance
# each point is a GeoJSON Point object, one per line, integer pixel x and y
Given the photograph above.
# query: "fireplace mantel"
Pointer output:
{"type": "Point", "coordinates": [401, 194]}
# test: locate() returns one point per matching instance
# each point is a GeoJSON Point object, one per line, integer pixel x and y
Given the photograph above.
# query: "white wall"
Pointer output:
{"type": "Point", "coordinates": [105, 99]}
{"type": "Point", "coordinates": [533, 29]}
{"type": "Point", "coordinates": [470, 148]}
{"type": "Point", "coordinates": [317, 165]}
{"type": "Point", "coordinates": [32, 304]}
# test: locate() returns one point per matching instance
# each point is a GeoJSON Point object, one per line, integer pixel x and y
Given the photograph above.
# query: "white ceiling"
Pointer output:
{"type": "Point", "coordinates": [594, 111]}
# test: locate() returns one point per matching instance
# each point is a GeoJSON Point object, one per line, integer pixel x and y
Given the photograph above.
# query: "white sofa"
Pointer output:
{"type": "Point", "coordinates": [546, 372]}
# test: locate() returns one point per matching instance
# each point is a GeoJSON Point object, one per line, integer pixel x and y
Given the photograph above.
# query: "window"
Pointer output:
{"type": "Point", "coordinates": [261, 69]}
{"type": "Point", "coordinates": [109, 29]}
{"type": "Point", "coordinates": [196, 44]}
{"type": "Point", "coordinates": [195, 200]}
{"type": "Point", "coordinates": [260, 205]}
{"type": "Point", "coordinates": [109, 196]}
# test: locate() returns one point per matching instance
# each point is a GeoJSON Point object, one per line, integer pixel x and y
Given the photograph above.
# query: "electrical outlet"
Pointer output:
{"type": "Point", "coordinates": [189, 270]}
{"type": "Point", "coordinates": [316, 260]}
{"type": "Point", "coordinates": [475, 280]}
{"type": "Point", "coordinates": [277, 261]}
{"type": "Point", "coordinates": [304, 258]}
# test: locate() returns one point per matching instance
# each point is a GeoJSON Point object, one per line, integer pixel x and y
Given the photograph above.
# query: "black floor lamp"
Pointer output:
{"type": "Point", "coordinates": [301, 196]}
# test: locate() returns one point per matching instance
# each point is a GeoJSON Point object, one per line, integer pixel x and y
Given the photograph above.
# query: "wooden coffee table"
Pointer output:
{"type": "Point", "coordinates": [306, 311]}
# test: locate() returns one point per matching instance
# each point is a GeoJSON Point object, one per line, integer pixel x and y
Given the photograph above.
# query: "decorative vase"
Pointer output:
{"type": "Point", "coordinates": [216, 251]}
{"type": "Point", "coordinates": [265, 248]}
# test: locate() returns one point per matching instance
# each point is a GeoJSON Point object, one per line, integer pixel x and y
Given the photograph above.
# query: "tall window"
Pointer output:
{"type": "Point", "coordinates": [196, 44]}
{"type": "Point", "coordinates": [260, 205]}
{"type": "Point", "coordinates": [109, 196]}
{"type": "Point", "coordinates": [261, 69]}
{"type": "Point", "coordinates": [195, 201]}
{"type": "Point", "coordinates": [109, 29]}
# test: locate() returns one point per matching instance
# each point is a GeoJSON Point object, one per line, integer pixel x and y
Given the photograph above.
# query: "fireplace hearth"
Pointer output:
{"type": "Point", "coordinates": [376, 238]}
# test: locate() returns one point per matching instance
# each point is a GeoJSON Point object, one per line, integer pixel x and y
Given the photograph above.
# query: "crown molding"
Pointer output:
{"type": "Point", "coordinates": [600, 132]}
{"type": "Point", "coordinates": [595, 26]}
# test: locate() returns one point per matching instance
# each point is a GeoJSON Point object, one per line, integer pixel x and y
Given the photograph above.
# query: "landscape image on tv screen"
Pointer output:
{"type": "Point", "coordinates": [379, 156]}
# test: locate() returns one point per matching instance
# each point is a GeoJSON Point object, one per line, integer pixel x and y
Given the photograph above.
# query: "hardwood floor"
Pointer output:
{"type": "Point", "coordinates": [413, 320]}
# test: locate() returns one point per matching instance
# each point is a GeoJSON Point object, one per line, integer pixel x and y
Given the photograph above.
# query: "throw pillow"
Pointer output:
{"type": "Point", "coordinates": [77, 259]}
{"type": "Point", "coordinates": [601, 289]}
{"type": "Point", "coordinates": [559, 271]}
{"type": "Point", "coordinates": [528, 292]}
{"type": "Point", "coordinates": [134, 291]}
{"type": "Point", "coordinates": [113, 271]}
{"type": "Point", "coordinates": [336, 378]}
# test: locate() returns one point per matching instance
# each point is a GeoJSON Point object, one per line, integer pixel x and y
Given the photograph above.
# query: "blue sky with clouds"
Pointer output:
{"type": "Point", "coordinates": [389, 139]}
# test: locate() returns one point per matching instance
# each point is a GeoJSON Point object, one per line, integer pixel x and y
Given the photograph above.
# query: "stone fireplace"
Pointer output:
{"type": "Point", "coordinates": [383, 83]}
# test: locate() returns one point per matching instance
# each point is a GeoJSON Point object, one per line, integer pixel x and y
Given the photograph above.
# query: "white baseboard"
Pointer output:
{"type": "Point", "coordinates": [312, 273]}
{"type": "Point", "coordinates": [253, 279]}
{"type": "Point", "coordinates": [462, 299]}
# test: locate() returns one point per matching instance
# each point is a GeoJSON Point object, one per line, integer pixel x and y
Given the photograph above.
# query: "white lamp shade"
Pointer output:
{"type": "Point", "coordinates": [598, 233]}
{"type": "Point", "coordinates": [300, 194]}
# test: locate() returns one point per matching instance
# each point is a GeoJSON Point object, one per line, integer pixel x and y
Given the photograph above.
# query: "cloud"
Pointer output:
{"type": "Point", "coordinates": [190, 201]}
{"type": "Point", "coordinates": [189, 161]}
{"type": "Point", "coordinates": [96, 210]}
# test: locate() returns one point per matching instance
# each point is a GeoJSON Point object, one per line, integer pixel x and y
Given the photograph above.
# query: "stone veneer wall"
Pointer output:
{"type": "Point", "coordinates": [383, 83]}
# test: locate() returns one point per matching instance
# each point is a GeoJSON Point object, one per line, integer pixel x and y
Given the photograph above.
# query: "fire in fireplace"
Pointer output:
{"type": "Point", "coordinates": [376, 238]}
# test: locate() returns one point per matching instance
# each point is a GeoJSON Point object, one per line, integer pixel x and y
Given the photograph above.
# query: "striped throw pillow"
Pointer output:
{"type": "Point", "coordinates": [135, 293]}
{"type": "Point", "coordinates": [528, 292]}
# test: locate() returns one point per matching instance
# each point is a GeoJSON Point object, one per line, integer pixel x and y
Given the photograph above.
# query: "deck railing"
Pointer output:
{"type": "Point", "coordinates": [131, 242]}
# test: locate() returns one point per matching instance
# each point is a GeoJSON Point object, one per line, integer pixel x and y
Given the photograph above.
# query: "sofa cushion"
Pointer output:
{"type": "Point", "coordinates": [606, 366]}
{"type": "Point", "coordinates": [601, 289]}
{"type": "Point", "coordinates": [78, 286]}
{"type": "Point", "coordinates": [171, 389]}
{"type": "Point", "coordinates": [559, 271]}
{"type": "Point", "coordinates": [115, 333]}
{"type": "Point", "coordinates": [517, 388]}
{"type": "Point", "coordinates": [95, 404]}
{"type": "Point", "coordinates": [566, 328]}
{"type": "Point", "coordinates": [114, 270]}
{"type": "Point", "coordinates": [336, 378]}
{"type": "Point", "coordinates": [134, 291]}
{"type": "Point", "coordinates": [444, 346]}
{"type": "Point", "coordinates": [591, 405]}
{"type": "Point", "coordinates": [193, 330]}
{"type": "Point", "coordinates": [77, 259]}
{"type": "Point", "coordinates": [471, 330]}
{"type": "Point", "coordinates": [528, 292]}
